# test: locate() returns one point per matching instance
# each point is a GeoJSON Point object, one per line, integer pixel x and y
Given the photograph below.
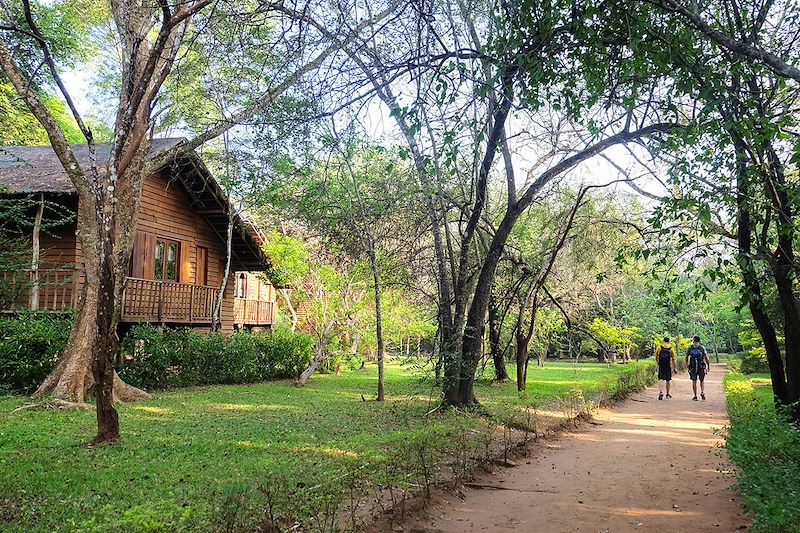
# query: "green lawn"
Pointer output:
{"type": "Point", "coordinates": [219, 458]}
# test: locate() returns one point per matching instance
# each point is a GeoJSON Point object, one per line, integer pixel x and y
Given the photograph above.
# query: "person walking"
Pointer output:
{"type": "Point", "coordinates": [697, 362]}
{"type": "Point", "coordinates": [665, 355]}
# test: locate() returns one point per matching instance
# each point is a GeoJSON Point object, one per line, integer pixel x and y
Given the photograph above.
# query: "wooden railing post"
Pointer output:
{"type": "Point", "coordinates": [160, 301]}
{"type": "Point", "coordinates": [191, 304]}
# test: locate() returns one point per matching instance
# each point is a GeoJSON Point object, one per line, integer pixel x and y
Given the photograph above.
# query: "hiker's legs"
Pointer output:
{"type": "Point", "coordinates": [668, 383]}
{"type": "Point", "coordinates": [661, 386]}
{"type": "Point", "coordinates": [694, 387]}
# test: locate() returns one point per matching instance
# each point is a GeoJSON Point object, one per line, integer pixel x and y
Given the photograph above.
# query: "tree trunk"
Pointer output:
{"type": "Point", "coordinates": [37, 224]}
{"type": "Point", "coordinates": [751, 281]}
{"type": "Point", "coordinates": [378, 316]}
{"type": "Point", "coordinates": [523, 338]}
{"type": "Point", "coordinates": [319, 357]}
{"type": "Point", "coordinates": [103, 366]}
{"type": "Point", "coordinates": [98, 307]}
{"type": "Point", "coordinates": [500, 372]}
{"type": "Point", "coordinates": [521, 359]}
{"type": "Point", "coordinates": [285, 293]}
{"type": "Point", "coordinates": [320, 354]}
{"type": "Point", "coordinates": [216, 322]}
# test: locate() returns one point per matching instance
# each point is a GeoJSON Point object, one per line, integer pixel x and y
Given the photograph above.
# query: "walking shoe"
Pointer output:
{"type": "Point", "coordinates": [660, 395]}
{"type": "Point", "coordinates": [669, 396]}
{"type": "Point", "coordinates": [695, 398]}
{"type": "Point", "coordinates": [703, 395]}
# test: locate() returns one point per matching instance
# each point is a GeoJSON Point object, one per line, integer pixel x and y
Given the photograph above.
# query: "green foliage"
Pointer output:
{"type": "Point", "coordinates": [166, 358]}
{"type": "Point", "coordinates": [20, 127]}
{"type": "Point", "coordinates": [631, 378]}
{"type": "Point", "coordinates": [754, 358]}
{"type": "Point", "coordinates": [615, 335]}
{"type": "Point", "coordinates": [14, 259]}
{"type": "Point", "coordinates": [288, 259]}
{"type": "Point", "coordinates": [29, 348]}
{"type": "Point", "coordinates": [765, 447]}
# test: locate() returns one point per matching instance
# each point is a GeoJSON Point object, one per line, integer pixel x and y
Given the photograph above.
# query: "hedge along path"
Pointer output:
{"type": "Point", "coordinates": [646, 465]}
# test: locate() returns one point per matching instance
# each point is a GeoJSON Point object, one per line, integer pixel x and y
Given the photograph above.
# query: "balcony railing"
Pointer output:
{"type": "Point", "coordinates": [147, 300]}
{"type": "Point", "coordinates": [252, 312]}
{"type": "Point", "coordinates": [46, 289]}
{"type": "Point", "coordinates": [144, 300]}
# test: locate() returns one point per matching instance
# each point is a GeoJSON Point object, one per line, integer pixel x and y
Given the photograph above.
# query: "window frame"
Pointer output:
{"type": "Point", "coordinates": [166, 242]}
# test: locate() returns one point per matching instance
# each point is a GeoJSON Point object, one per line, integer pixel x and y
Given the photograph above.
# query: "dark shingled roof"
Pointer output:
{"type": "Point", "coordinates": [37, 169]}
{"type": "Point", "coordinates": [28, 169]}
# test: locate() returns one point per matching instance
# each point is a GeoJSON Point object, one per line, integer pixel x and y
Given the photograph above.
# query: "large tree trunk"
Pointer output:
{"type": "Point", "coordinates": [94, 333]}
{"type": "Point", "coordinates": [751, 282]}
{"type": "Point", "coordinates": [106, 344]}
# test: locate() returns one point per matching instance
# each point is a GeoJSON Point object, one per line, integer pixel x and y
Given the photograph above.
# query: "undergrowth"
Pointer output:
{"type": "Point", "coordinates": [765, 448]}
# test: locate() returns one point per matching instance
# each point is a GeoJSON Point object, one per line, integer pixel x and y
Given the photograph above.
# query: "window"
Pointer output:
{"type": "Point", "coordinates": [241, 290]}
{"type": "Point", "coordinates": [166, 260]}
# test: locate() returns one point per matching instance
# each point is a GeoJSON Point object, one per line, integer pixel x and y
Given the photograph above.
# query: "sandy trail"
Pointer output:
{"type": "Point", "coordinates": [646, 465]}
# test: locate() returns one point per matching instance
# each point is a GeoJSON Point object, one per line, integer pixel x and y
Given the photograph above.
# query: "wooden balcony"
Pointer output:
{"type": "Point", "coordinates": [144, 300]}
{"type": "Point", "coordinates": [147, 300]}
{"type": "Point", "coordinates": [43, 289]}
{"type": "Point", "coordinates": [248, 312]}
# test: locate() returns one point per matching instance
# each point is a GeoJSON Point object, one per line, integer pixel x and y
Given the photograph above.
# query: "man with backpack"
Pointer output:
{"type": "Point", "coordinates": [697, 362]}
{"type": "Point", "coordinates": [665, 355]}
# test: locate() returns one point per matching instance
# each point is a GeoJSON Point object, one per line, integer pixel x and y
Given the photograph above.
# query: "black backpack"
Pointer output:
{"type": "Point", "coordinates": [697, 359]}
{"type": "Point", "coordinates": [663, 355]}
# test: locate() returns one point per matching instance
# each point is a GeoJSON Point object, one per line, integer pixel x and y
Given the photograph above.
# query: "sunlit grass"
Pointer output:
{"type": "Point", "coordinates": [185, 453]}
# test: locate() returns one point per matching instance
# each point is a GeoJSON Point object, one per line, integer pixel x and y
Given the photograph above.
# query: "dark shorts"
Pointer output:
{"type": "Point", "coordinates": [665, 373]}
{"type": "Point", "coordinates": [700, 374]}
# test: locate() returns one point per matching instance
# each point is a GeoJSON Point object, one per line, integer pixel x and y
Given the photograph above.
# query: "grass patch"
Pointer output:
{"type": "Point", "coordinates": [239, 457]}
{"type": "Point", "coordinates": [766, 450]}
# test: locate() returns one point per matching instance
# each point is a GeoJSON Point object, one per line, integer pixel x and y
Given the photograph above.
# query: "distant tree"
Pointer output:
{"type": "Point", "coordinates": [289, 263]}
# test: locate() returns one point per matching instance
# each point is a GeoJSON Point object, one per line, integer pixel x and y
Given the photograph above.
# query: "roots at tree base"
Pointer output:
{"type": "Point", "coordinates": [72, 381]}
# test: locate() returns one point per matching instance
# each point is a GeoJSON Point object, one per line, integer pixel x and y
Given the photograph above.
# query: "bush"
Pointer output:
{"type": "Point", "coordinates": [631, 378]}
{"type": "Point", "coordinates": [30, 346]}
{"type": "Point", "coordinates": [168, 358]}
{"type": "Point", "coordinates": [754, 361]}
{"type": "Point", "coordinates": [765, 447]}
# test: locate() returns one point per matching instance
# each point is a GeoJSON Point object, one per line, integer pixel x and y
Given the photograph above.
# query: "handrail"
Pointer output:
{"type": "Point", "coordinates": [148, 300]}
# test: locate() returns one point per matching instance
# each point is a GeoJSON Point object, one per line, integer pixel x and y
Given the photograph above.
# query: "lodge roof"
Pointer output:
{"type": "Point", "coordinates": [29, 169]}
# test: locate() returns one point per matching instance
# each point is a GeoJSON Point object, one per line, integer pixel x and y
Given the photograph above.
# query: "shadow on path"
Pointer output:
{"type": "Point", "coordinates": [646, 465]}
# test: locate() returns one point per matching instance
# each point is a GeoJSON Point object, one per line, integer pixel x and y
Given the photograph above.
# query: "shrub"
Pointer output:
{"type": "Point", "coordinates": [765, 447]}
{"type": "Point", "coordinates": [754, 361]}
{"type": "Point", "coordinates": [30, 346]}
{"type": "Point", "coordinates": [168, 358]}
{"type": "Point", "coordinates": [631, 378]}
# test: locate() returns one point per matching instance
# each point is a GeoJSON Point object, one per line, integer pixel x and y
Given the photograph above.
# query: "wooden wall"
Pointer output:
{"type": "Point", "coordinates": [165, 212]}
{"type": "Point", "coordinates": [257, 288]}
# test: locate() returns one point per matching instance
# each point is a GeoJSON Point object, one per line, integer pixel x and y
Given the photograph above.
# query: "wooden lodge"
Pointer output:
{"type": "Point", "coordinates": [179, 250]}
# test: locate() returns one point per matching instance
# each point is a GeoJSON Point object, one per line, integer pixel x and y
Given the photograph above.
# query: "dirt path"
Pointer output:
{"type": "Point", "coordinates": [646, 465]}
